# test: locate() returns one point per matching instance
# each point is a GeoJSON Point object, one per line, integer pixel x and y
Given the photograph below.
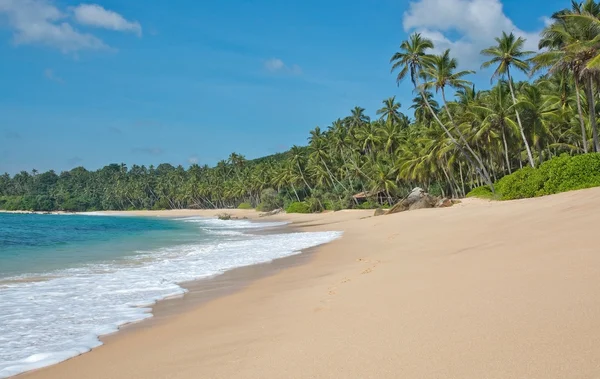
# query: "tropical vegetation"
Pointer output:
{"type": "Point", "coordinates": [458, 138]}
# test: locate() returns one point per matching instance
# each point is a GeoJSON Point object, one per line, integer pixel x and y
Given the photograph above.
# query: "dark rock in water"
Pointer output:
{"type": "Point", "coordinates": [379, 212]}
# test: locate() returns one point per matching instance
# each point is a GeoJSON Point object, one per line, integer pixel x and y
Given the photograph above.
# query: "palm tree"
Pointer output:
{"type": "Point", "coordinates": [422, 114]}
{"type": "Point", "coordinates": [496, 112]}
{"type": "Point", "coordinates": [412, 59]}
{"type": "Point", "coordinates": [441, 74]}
{"type": "Point", "coordinates": [506, 54]}
{"type": "Point", "coordinates": [389, 111]}
{"type": "Point", "coordinates": [559, 38]}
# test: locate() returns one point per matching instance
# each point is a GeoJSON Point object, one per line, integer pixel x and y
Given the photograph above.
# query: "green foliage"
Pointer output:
{"type": "Point", "coordinates": [269, 200]}
{"type": "Point", "coordinates": [369, 204]}
{"type": "Point", "coordinates": [483, 192]}
{"type": "Point", "coordinates": [561, 174]}
{"type": "Point", "coordinates": [245, 206]}
{"type": "Point", "coordinates": [314, 205]}
{"type": "Point", "coordinates": [435, 189]}
{"type": "Point", "coordinates": [298, 207]}
{"type": "Point", "coordinates": [391, 154]}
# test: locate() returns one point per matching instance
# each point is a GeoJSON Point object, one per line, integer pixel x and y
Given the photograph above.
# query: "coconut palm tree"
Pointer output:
{"type": "Point", "coordinates": [441, 73]}
{"type": "Point", "coordinates": [506, 54]}
{"type": "Point", "coordinates": [413, 58]}
{"type": "Point", "coordinates": [389, 112]}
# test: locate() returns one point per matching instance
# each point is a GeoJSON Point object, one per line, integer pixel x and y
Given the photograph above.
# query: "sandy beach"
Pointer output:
{"type": "Point", "coordinates": [480, 290]}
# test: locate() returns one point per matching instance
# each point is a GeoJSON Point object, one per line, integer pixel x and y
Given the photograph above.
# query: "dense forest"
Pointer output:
{"type": "Point", "coordinates": [459, 138]}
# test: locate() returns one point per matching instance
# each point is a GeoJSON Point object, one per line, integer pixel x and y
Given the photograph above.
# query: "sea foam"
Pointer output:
{"type": "Point", "coordinates": [46, 322]}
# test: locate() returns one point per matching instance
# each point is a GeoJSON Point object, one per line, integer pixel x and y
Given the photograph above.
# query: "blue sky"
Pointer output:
{"type": "Point", "coordinates": [189, 81]}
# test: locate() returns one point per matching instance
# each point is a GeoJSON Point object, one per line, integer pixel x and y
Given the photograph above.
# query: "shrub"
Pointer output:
{"type": "Point", "coordinates": [369, 204]}
{"type": "Point", "coordinates": [483, 192]}
{"type": "Point", "coordinates": [522, 184]}
{"type": "Point", "coordinates": [298, 207]}
{"type": "Point", "coordinates": [560, 174]}
{"type": "Point", "coordinates": [314, 204]}
{"type": "Point", "coordinates": [269, 200]}
{"type": "Point", "coordinates": [245, 206]}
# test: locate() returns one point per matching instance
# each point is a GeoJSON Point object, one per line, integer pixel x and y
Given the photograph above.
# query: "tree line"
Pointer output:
{"type": "Point", "coordinates": [459, 138]}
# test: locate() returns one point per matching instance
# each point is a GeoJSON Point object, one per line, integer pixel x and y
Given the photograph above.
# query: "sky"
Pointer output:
{"type": "Point", "coordinates": [186, 81]}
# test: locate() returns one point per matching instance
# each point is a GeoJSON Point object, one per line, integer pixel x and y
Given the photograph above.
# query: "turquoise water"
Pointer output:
{"type": "Point", "coordinates": [33, 243]}
{"type": "Point", "coordinates": [65, 280]}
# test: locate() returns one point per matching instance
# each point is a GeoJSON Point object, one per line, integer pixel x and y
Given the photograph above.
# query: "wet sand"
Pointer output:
{"type": "Point", "coordinates": [479, 290]}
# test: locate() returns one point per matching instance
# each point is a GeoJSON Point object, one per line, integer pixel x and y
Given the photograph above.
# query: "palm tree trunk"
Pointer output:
{"type": "Point", "coordinates": [580, 111]}
{"type": "Point", "coordinates": [514, 99]}
{"type": "Point", "coordinates": [462, 137]}
{"type": "Point", "coordinates": [506, 149]}
{"type": "Point", "coordinates": [296, 193]}
{"type": "Point", "coordinates": [302, 175]}
{"type": "Point", "coordinates": [332, 177]}
{"type": "Point", "coordinates": [455, 142]}
{"type": "Point", "coordinates": [592, 110]}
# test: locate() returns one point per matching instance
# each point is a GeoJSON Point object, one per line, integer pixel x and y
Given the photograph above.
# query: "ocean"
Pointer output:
{"type": "Point", "coordinates": [65, 280]}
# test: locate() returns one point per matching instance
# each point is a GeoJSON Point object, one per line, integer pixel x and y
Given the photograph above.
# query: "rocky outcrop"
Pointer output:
{"type": "Point", "coordinates": [379, 212]}
{"type": "Point", "coordinates": [419, 199]}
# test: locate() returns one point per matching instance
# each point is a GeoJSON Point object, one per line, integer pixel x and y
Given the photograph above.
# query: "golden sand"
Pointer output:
{"type": "Point", "coordinates": [482, 290]}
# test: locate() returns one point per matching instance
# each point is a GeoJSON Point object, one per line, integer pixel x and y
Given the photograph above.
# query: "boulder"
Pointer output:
{"type": "Point", "coordinates": [444, 203]}
{"type": "Point", "coordinates": [401, 206]}
{"type": "Point", "coordinates": [415, 195]}
{"type": "Point", "coordinates": [379, 212]}
{"type": "Point", "coordinates": [419, 199]}
{"type": "Point", "coordinates": [271, 213]}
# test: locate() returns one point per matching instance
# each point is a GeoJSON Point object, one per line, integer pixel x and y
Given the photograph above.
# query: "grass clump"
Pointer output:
{"type": "Point", "coordinates": [483, 192]}
{"type": "Point", "coordinates": [298, 207]}
{"type": "Point", "coordinates": [245, 206]}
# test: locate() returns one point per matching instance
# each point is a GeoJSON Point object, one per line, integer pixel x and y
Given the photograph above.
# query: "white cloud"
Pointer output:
{"type": "Point", "coordinates": [277, 65]}
{"type": "Point", "coordinates": [193, 159]}
{"type": "Point", "coordinates": [51, 75]}
{"type": "Point", "coordinates": [464, 26]}
{"type": "Point", "coordinates": [40, 22]}
{"type": "Point", "coordinates": [96, 16]}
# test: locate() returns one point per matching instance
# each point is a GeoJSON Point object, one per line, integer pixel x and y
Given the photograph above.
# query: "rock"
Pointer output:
{"type": "Point", "coordinates": [379, 212]}
{"type": "Point", "coordinates": [271, 213]}
{"type": "Point", "coordinates": [423, 203]}
{"type": "Point", "coordinates": [415, 195]}
{"type": "Point", "coordinates": [444, 203]}
{"type": "Point", "coordinates": [401, 206]}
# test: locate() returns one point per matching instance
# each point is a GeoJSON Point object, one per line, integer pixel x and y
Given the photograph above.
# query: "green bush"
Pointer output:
{"type": "Point", "coordinates": [560, 174]}
{"type": "Point", "coordinates": [269, 200]}
{"type": "Point", "coordinates": [298, 207]}
{"type": "Point", "coordinates": [314, 204]}
{"type": "Point", "coordinates": [483, 192]}
{"type": "Point", "coordinates": [245, 206]}
{"type": "Point", "coordinates": [369, 204]}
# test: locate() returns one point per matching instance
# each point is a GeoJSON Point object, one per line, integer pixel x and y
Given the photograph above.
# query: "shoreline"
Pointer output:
{"type": "Point", "coordinates": [202, 290]}
{"type": "Point", "coordinates": [482, 289]}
